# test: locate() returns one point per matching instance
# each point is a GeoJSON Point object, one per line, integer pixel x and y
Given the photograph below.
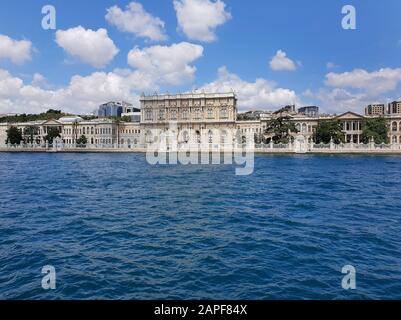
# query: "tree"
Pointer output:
{"type": "Point", "coordinates": [328, 129]}
{"type": "Point", "coordinates": [14, 135]}
{"type": "Point", "coordinates": [31, 132]}
{"type": "Point", "coordinates": [126, 119]}
{"type": "Point", "coordinates": [52, 133]}
{"type": "Point", "coordinates": [376, 128]}
{"type": "Point", "coordinates": [82, 141]}
{"type": "Point", "coordinates": [280, 129]}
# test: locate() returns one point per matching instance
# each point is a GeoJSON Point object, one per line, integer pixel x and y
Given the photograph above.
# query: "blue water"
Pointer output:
{"type": "Point", "coordinates": [115, 227]}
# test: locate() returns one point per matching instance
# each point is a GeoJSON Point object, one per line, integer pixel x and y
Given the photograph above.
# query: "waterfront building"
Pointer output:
{"type": "Point", "coordinates": [394, 121]}
{"type": "Point", "coordinates": [130, 134]}
{"type": "Point", "coordinates": [197, 116]}
{"type": "Point", "coordinates": [352, 126]}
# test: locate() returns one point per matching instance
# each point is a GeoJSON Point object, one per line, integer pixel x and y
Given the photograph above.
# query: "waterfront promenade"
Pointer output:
{"type": "Point", "coordinates": [292, 148]}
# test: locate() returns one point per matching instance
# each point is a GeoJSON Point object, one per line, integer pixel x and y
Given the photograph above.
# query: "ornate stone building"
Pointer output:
{"type": "Point", "coordinates": [196, 116]}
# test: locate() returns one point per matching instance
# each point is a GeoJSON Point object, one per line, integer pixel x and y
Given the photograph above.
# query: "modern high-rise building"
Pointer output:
{"type": "Point", "coordinates": [113, 109]}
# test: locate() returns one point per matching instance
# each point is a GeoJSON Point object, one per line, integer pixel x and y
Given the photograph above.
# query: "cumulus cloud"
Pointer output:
{"type": "Point", "coordinates": [82, 95]}
{"type": "Point", "coordinates": [280, 62]}
{"type": "Point", "coordinates": [166, 64]}
{"type": "Point", "coordinates": [354, 90]}
{"type": "Point", "coordinates": [92, 47]}
{"type": "Point", "coordinates": [261, 94]}
{"type": "Point", "coordinates": [38, 78]}
{"type": "Point", "coordinates": [17, 51]}
{"type": "Point", "coordinates": [198, 19]}
{"type": "Point", "coordinates": [137, 21]}
{"type": "Point", "coordinates": [339, 100]}
{"type": "Point", "coordinates": [376, 82]}
{"type": "Point", "coordinates": [153, 66]}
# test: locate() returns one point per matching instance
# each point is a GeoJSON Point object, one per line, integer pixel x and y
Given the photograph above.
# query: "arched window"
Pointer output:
{"type": "Point", "coordinates": [304, 127]}
{"type": "Point", "coordinates": [394, 126]}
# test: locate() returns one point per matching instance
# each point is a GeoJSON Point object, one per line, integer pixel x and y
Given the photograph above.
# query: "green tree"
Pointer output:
{"type": "Point", "coordinates": [280, 129]}
{"type": "Point", "coordinates": [14, 135]}
{"type": "Point", "coordinates": [328, 129]}
{"type": "Point", "coordinates": [52, 133]}
{"type": "Point", "coordinates": [31, 132]}
{"type": "Point", "coordinates": [126, 119]}
{"type": "Point", "coordinates": [82, 141]}
{"type": "Point", "coordinates": [376, 128]}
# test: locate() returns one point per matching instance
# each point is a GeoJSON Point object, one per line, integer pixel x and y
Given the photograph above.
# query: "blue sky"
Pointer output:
{"type": "Point", "coordinates": [334, 68]}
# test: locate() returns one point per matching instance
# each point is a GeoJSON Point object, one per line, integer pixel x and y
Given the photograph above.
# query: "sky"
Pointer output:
{"type": "Point", "coordinates": [270, 53]}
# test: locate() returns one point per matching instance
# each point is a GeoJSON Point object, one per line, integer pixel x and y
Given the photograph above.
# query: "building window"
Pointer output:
{"type": "Point", "coordinates": [161, 114]}
{"type": "Point", "coordinates": [173, 114]}
{"type": "Point", "coordinates": [223, 113]}
{"type": "Point", "coordinates": [185, 114]}
{"type": "Point", "coordinates": [394, 126]}
{"type": "Point", "coordinates": [197, 114]}
{"type": "Point", "coordinates": [210, 113]}
{"type": "Point", "coordinates": [148, 115]}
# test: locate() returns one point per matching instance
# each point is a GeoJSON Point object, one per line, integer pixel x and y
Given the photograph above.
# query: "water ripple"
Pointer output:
{"type": "Point", "coordinates": [117, 228]}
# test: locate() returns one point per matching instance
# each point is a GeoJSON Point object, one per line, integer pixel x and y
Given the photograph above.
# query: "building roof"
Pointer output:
{"type": "Point", "coordinates": [70, 119]}
{"type": "Point", "coordinates": [192, 95]}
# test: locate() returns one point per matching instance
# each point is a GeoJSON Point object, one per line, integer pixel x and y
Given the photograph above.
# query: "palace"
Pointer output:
{"type": "Point", "coordinates": [196, 117]}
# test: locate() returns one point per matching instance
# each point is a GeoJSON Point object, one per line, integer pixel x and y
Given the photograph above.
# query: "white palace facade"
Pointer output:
{"type": "Point", "coordinates": [194, 117]}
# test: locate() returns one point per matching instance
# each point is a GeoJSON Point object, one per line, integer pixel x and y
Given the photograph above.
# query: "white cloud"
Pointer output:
{"type": "Point", "coordinates": [137, 21]}
{"type": "Point", "coordinates": [375, 83]}
{"type": "Point", "coordinates": [166, 64]}
{"type": "Point", "coordinates": [339, 100]}
{"type": "Point", "coordinates": [198, 19]}
{"type": "Point", "coordinates": [17, 51]}
{"type": "Point", "coordinates": [154, 66]}
{"type": "Point", "coordinates": [82, 95]}
{"type": "Point", "coordinates": [261, 94]}
{"type": "Point", "coordinates": [353, 90]}
{"type": "Point", "coordinates": [38, 78]}
{"type": "Point", "coordinates": [92, 47]}
{"type": "Point", "coordinates": [280, 62]}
